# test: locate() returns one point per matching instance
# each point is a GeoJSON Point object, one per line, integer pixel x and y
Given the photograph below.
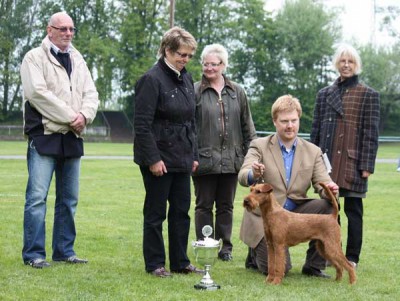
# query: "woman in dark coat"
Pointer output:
{"type": "Point", "coordinates": [166, 150]}
{"type": "Point", "coordinates": [346, 128]}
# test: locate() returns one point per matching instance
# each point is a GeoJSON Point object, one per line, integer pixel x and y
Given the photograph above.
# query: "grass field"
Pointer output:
{"type": "Point", "coordinates": [109, 226]}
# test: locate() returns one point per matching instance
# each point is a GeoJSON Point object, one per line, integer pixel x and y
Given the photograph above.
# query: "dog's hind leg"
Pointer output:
{"type": "Point", "coordinates": [329, 251]}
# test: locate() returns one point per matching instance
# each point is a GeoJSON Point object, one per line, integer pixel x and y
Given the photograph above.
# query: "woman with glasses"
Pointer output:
{"type": "Point", "coordinates": [165, 148]}
{"type": "Point", "coordinates": [346, 128]}
{"type": "Point", "coordinates": [224, 131]}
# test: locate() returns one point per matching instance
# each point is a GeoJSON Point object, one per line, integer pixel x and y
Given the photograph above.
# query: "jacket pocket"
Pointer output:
{"type": "Point", "coordinates": [239, 158]}
{"type": "Point", "coordinates": [205, 161]}
{"type": "Point", "coordinates": [351, 173]}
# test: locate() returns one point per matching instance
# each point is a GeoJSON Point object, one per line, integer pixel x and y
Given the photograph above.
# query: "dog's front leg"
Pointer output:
{"type": "Point", "coordinates": [280, 260]}
{"type": "Point", "coordinates": [271, 263]}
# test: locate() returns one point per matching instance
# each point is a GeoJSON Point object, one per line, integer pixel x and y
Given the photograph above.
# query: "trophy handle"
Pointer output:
{"type": "Point", "coordinates": [220, 245]}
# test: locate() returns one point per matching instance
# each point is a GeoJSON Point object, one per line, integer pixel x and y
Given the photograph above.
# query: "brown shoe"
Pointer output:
{"type": "Point", "coordinates": [161, 272]}
{"type": "Point", "coordinates": [189, 269]}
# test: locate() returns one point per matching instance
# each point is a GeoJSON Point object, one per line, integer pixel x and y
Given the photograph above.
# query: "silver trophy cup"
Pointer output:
{"type": "Point", "coordinates": [206, 252]}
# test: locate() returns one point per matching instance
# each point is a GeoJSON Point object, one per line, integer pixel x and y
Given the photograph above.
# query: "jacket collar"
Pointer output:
{"type": "Point", "coordinates": [170, 72]}
{"type": "Point", "coordinates": [334, 97]}
{"type": "Point", "coordinates": [205, 84]}
{"type": "Point", "coordinates": [348, 82]}
{"type": "Point", "coordinates": [47, 46]}
{"type": "Point", "coordinates": [297, 160]}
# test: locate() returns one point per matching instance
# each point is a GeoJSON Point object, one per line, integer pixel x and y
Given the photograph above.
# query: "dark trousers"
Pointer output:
{"type": "Point", "coordinates": [259, 255]}
{"type": "Point", "coordinates": [174, 188]}
{"type": "Point", "coordinates": [353, 208]}
{"type": "Point", "coordinates": [219, 189]}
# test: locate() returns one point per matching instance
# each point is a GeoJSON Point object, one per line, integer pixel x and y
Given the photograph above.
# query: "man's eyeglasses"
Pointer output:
{"type": "Point", "coordinates": [65, 29]}
{"type": "Point", "coordinates": [206, 65]}
{"type": "Point", "coordinates": [184, 55]}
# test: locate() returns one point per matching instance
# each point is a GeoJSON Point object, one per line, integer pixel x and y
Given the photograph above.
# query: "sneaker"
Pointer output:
{"type": "Point", "coordinates": [38, 263]}
{"type": "Point", "coordinates": [398, 169]}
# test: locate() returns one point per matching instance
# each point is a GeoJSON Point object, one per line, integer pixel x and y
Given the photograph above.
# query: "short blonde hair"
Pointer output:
{"type": "Point", "coordinates": [285, 103]}
{"type": "Point", "coordinates": [351, 52]}
{"type": "Point", "coordinates": [174, 38]}
{"type": "Point", "coordinates": [217, 49]}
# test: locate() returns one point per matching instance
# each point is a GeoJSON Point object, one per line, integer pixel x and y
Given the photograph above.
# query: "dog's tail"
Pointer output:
{"type": "Point", "coordinates": [329, 193]}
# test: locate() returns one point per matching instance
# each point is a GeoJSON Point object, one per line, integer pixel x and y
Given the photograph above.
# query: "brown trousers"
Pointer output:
{"type": "Point", "coordinates": [219, 189]}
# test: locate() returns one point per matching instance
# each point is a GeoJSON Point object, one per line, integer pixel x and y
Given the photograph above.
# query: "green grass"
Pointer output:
{"type": "Point", "coordinates": [109, 226]}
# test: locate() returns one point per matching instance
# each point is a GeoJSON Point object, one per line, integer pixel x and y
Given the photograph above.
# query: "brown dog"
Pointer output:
{"type": "Point", "coordinates": [285, 229]}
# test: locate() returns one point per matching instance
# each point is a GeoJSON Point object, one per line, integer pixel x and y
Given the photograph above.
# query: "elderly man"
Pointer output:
{"type": "Point", "coordinates": [60, 99]}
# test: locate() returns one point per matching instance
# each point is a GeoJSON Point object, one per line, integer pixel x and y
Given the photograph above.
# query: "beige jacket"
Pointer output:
{"type": "Point", "coordinates": [308, 169]}
{"type": "Point", "coordinates": [49, 90]}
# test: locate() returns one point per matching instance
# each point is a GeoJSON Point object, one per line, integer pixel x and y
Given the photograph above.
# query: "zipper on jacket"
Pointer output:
{"type": "Point", "coordinates": [221, 105]}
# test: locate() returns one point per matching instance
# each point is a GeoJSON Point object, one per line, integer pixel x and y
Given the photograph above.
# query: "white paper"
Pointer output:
{"type": "Point", "coordinates": [327, 163]}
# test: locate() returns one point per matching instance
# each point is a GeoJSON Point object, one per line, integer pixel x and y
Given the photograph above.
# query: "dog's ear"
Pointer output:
{"type": "Point", "coordinates": [266, 188]}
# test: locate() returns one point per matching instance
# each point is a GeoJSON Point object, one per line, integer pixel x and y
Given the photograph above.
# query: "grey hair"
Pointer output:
{"type": "Point", "coordinates": [350, 51]}
{"type": "Point", "coordinates": [217, 49]}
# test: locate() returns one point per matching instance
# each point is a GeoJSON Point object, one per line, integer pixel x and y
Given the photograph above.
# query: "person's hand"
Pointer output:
{"type": "Point", "coordinates": [79, 123]}
{"type": "Point", "coordinates": [158, 169]}
{"type": "Point", "coordinates": [195, 165]}
{"type": "Point", "coordinates": [257, 169]}
{"type": "Point", "coordinates": [365, 174]}
{"type": "Point", "coordinates": [333, 187]}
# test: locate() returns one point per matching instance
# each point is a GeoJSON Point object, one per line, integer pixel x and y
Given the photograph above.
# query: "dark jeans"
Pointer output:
{"type": "Point", "coordinates": [174, 188]}
{"type": "Point", "coordinates": [353, 208]}
{"type": "Point", "coordinates": [219, 189]}
{"type": "Point", "coordinates": [259, 255]}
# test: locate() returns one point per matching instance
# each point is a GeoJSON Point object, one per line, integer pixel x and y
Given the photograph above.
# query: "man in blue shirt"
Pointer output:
{"type": "Point", "coordinates": [291, 165]}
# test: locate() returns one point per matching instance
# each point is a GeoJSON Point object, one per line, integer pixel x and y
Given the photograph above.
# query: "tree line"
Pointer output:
{"type": "Point", "coordinates": [270, 55]}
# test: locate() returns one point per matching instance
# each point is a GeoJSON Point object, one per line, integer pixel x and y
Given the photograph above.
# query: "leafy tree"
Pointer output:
{"type": "Point", "coordinates": [308, 32]}
{"type": "Point", "coordinates": [141, 26]}
{"type": "Point", "coordinates": [208, 22]}
{"type": "Point", "coordinates": [96, 39]}
{"type": "Point", "coordinates": [16, 22]}
{"type": "Point", "coordinates": [247, 32]}
{"type": "Point", "coordinates": [381, 71]}
{"type": "Point", "coordinates": [256, 61]}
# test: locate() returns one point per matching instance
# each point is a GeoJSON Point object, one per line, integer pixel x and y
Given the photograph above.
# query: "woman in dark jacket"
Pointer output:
{"type": "Point", "coordinates": [346, 128]}
{"type": "Point", "coordinates": [165, 148]}
{"type": "Point", "coordinates": [225, 129]}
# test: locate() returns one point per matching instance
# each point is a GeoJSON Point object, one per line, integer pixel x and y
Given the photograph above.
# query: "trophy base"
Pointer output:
{"type": "Point", "coordinates": [207, 287]}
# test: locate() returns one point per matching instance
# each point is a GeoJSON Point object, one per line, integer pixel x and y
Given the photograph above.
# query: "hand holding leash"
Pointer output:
{"type": "Point", "coordinates": [258, 171]}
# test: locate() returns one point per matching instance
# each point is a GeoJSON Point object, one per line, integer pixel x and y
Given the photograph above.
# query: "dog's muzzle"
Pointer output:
{"type": "Point", "coordinates": [248, 204]}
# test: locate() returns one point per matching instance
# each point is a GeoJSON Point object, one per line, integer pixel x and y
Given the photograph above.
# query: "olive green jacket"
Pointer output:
{"type": "Point", "coordinates": [224, 128]}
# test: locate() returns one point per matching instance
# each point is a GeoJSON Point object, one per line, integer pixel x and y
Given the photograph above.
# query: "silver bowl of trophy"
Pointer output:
{"type": "Point", "coordinates": [206, 252]}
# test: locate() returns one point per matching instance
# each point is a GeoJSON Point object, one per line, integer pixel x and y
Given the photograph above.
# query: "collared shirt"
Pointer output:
{"type": "Point", "coordinates": [288, 156]}
{"type": "Point", "coordinates": [57, 50]}
{"type": "Point", "coordinates": [64, 58]}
